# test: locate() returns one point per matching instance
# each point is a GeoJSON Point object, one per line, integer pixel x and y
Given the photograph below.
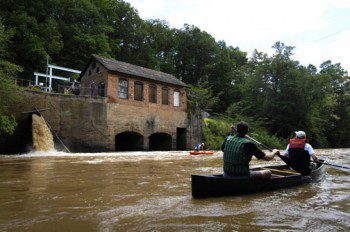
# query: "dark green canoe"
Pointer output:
{"type": "Point", "coordinates": [282, 177]}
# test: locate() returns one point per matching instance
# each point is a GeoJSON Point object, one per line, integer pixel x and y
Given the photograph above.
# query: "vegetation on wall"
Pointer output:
{"type": "Point", "coordinates": [274, 92]}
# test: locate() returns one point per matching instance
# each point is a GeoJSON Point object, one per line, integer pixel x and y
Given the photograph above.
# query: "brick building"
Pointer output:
{"type": "Point", "coordinates": [146, 109]}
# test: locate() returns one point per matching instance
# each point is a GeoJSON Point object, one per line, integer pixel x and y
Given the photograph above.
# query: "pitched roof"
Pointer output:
{"type": "Point", "coordinates": [131, 69]}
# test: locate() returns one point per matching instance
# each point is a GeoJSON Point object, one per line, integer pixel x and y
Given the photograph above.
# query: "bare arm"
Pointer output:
{"type": "Point", "coordinates": [314, 158]}
{"type": "Point", "coordinates": [271, 155]}
{"type": "Point", "coordinates": [285, 155]}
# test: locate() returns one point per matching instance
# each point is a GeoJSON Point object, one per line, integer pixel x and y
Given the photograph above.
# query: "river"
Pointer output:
{"type": "Point", "coordinates": [151, 191]}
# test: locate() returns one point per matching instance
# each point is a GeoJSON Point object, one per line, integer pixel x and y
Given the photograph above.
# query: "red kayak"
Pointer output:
{"type": "Point", "coordinates": [201, 152]}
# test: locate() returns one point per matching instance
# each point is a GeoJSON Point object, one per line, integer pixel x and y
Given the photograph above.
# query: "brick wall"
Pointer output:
{"type": "Point", "coordinates": [93, 77]}
{"type": "Point", "coordinates": [113, 93]}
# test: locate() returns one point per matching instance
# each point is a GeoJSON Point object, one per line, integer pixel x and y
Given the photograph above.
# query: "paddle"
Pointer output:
{"type": "Point", "coordinates": [334, 165]}
{"type": "Point", "coordinates": [263, 145]}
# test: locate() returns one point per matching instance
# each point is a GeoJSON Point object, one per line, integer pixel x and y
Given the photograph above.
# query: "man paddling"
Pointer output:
{"type": "Point", "coordinates": [298, 153]}
{"type": "Point", "coordinates": [199, 147]}
{"type": "Point", "coordinates": [238, 151]}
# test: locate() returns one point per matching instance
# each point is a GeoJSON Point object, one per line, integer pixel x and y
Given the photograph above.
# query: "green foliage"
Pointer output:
{"type": "Point", "coordinates": [216, 129]}
{"type": "Point", "coordinates": [214, 132]}
{"type": "Point", "coordinates": [8, 70]}
{"type": "Point", "coordinates": [200, 99]}
{"type": "Point", "coordinates": [7, 124]}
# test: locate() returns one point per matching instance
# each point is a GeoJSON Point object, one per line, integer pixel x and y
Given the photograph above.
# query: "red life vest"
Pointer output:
{"type": "Point", "coordinates": [299, 158]}
{"type": "Point", "coordinates": [297, 143]}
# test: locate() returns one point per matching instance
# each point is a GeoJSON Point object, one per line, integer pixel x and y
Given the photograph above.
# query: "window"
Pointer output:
{"type": "Point", "coordinates": [177, 98]}
{"type": "Point", "coordinates": [89, 72]}
{"type": "Point", "coordinates": [165, 96]}
{"type": "Point", "coordinates": [101, 89]}
{"type": "Point", "coordinates": [138, 91]}
{"type": "Point", "coordinates": [123, 88]}
{"type": "Point", "coordinates": [92, 89]}
{"type": "Point", "coordinates": [153, 93]}
{"type": "Point", "coordinates": [98, 70]}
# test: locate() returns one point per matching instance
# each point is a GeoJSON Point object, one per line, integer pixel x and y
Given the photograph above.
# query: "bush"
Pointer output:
{"type": "Point", "coordinates": [217, 128]}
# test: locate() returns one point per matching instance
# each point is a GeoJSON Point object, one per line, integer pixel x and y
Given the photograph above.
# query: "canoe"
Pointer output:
{"type": "Point", "coordinates": [282, 177]}
{"type": "Point", "coordinates": [201, 152]}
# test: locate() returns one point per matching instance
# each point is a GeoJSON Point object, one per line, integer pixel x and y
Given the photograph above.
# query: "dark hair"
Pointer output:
{"type": "Point", "coordinates": [242, 128]}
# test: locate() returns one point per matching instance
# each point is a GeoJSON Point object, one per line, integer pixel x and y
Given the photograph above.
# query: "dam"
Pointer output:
{"type": "Point", "coordinates": [92, 124]}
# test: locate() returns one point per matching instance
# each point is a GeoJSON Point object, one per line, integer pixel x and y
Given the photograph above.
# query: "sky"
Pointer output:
{"type": "Point", "coordinates": [318, 29]}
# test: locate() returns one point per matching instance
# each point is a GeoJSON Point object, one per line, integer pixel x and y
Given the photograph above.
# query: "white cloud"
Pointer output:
{"type": "Point", "coordinates": [251, 24]}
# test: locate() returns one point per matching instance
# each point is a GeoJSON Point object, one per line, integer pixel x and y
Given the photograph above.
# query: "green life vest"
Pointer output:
{"type": "Point", "coordinates": [236, 160]}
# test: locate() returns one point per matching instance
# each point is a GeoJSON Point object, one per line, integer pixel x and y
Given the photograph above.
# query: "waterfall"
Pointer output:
{"type": "Point", "coordinates": [42, 137]}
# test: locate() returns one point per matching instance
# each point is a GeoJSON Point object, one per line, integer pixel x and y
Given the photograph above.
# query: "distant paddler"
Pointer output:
{"type": "Point", "coordinates": [199, 147]}
{"type": "Point", "coordinates": [238, 152]}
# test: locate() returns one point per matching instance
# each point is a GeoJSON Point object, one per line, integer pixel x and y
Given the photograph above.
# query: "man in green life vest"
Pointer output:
{"type": "Point", "coordinates": [238, 151]}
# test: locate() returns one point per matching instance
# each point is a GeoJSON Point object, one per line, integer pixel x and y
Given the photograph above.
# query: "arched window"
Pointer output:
{"type": "Point", "coordinates": [152, 93]}
{"type": "Point", "coordinates": [177, 98]}
{"type": "Point", "coordinates": [165, 96]}
{"type": "Point", "coordinates": [138, 91]}
{"type": "Point", "coordinates": [102, 89]}
{"type": "Point", "coordinates": [123, 88]}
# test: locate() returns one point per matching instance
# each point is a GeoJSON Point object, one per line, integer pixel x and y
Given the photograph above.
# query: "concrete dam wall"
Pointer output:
{"type": "Point", "coordinates": [91, 124]}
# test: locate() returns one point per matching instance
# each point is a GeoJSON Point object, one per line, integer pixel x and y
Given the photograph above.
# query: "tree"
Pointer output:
{"type": "Point", "coordinates": [8, 70]}
{"type": "Point", "coordinates": [337, 88]}
{"type": "Point", "coordinates": [277, 91]}
{"type": "Point", "coordinates": [35, 33]}
{"type": "Point", "coordinates": [226, 75]}
{"type": "Point", "coordinates": [200, 99]}
{"type": "Point", "coordinates": [194, 51]}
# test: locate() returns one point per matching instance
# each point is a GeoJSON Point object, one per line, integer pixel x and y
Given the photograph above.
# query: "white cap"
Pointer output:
{"type": "Point", "coordinates": [300, 134]}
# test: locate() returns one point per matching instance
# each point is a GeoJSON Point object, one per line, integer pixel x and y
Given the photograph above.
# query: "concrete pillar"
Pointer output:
{"type": "Point", "coordinates": [111, 140]}
{"type": "Point", "coordinates": [173, 142]}
{"type": "Point", "coordinates": [146, 142]}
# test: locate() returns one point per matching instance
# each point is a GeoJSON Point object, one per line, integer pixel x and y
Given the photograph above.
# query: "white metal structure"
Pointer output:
{"type": "Point", "coordinates": [50, 76]}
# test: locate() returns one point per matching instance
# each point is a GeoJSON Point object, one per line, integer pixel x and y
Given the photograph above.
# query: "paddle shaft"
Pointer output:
{"type": "Point", "coordinates": [334, 165]}
{"type": "Point", "coordinates": [261, 144]}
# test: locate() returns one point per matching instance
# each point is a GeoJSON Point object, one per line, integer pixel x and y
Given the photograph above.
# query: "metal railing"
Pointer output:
{"type": "Point", "coordinates": [73, 89]}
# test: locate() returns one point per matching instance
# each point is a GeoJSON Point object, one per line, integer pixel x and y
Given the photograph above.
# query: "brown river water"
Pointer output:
{"type": "Point", "coordinates": [151, 191]}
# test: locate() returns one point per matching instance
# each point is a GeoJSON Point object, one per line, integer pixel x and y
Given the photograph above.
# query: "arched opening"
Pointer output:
{"type": "Point", "coordinates": [128, 141]}
{"type": "Point", "coordinates": [160, 142]}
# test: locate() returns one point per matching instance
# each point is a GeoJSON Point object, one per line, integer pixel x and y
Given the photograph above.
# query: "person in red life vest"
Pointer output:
{"type": "Point", "coordinates": [298, 153]}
